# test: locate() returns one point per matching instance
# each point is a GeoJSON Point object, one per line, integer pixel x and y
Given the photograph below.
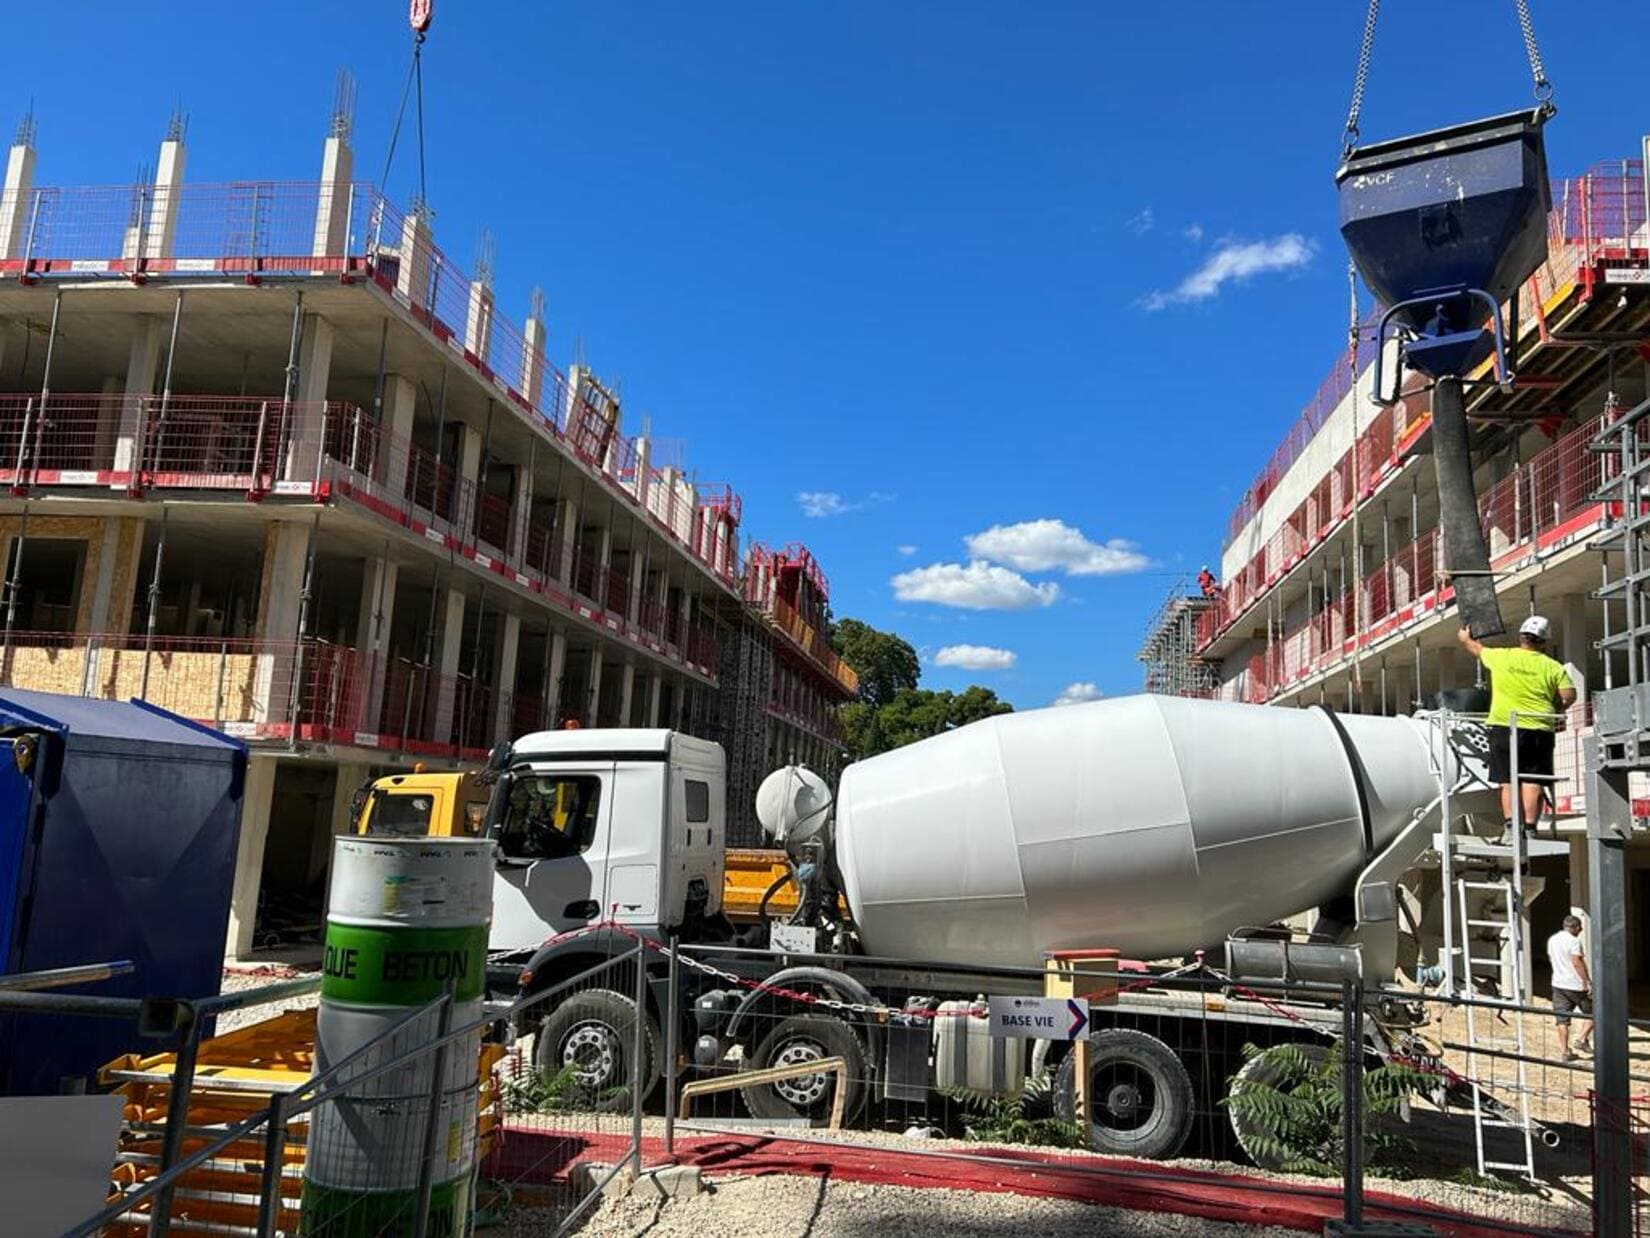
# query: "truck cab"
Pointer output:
{"type": "Point", "coordinates": [620, 824]}
{"type": "Point", "coordinates": [422, 804]}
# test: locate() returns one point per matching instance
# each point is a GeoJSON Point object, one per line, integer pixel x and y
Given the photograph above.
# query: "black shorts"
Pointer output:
{"type": "Point", "coordinates": [1535, 752]}
{"type": "Point", "coordinates": [1570, 1001]}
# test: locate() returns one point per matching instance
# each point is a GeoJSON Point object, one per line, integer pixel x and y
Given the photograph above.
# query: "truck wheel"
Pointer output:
{"type": "Point", "coordinates": [1140, 1096]}
{"type": "Point", "coordinates": [808, 1038]}
{"type": "Point", "coordinates": [1264, 1070]}
{"type": "Point", "coordinates": [594, 1034]}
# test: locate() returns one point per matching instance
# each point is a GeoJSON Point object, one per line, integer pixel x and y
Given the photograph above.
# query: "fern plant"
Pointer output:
{"type": "Point", "coordinates": [1291, 1109]}
{"type": "Point", "coordinates": [1008, 1119]}
{"type": "Point", "coordinates": [560, 1091]}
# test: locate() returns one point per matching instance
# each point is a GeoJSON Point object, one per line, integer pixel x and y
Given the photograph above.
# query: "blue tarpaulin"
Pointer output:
{"type": "Point", "coordinates": [118, 830]}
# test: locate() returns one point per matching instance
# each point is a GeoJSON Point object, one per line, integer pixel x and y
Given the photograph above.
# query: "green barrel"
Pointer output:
{"type": "Point", "coordinates": [406, 918]}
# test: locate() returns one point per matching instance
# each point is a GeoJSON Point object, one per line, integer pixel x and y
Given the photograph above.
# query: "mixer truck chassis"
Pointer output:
{"type": "Point", "coordinates": [1160, 1054]}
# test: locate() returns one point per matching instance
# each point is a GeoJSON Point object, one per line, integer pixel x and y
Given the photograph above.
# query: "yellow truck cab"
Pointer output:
{"type": "Point", "coordinates": [421, 804]}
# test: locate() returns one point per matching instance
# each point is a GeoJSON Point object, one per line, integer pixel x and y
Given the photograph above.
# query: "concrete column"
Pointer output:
{"type": "Point", "coordinates": [567, 520]}
{"type": "Point", "coordinates": [644, 465]}
{"type": "Point", "coordinates": [395, 444]}
{"type": "Point", "coordinates": [113, 584]}
{"type": "Point", "coordinates": [469, 473]}
{"type": "Point", "coordinates": [1574, 646]}
{"type": "Point", "coordinates": [306, 432]}
{"type": "Point", "coordinates": [412, 278]}
{"type": "Point", "coordinates": [627, 693]}
{"type": "Point", "coordinates": [633, 600]}
{"type": "Point", "coordinates": [372, 633]}
{"type": "Point", "coordinates": [162, 227]}
{"type": "Point", "coordinates": [332, 207]}
{"type": "Point", "coordinates": [256, 801]}
{"type": "Point", "coordinates": [142, 364]}
{"type": "Point", "coordinates": [558, 668]}
{"type": "Point", "coordinates": [592, 708]}
{"type": "Point", "coordinates": [286, 552]}
{"type": "Point", "coordinates": [521, 512]}
{"type": "Point", "coordinates": [532, 355]}
{"type": "Point", "coordinates": [449, 640]}
{"type": "Point", "coordinates": [478, 320]}
{"type": "Point", "coordinates": [655, 687]}
{"type": "Point", "coordinates": [16, 198]}
{"type": "Point", "coordinates": [1580, 886]}
{"type": "Point", "coordinates": [111, 540]}
{"type": "Point", "coordinates": [509, 648]}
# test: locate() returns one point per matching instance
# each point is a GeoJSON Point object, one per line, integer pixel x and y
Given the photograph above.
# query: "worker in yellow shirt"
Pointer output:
{"type": "Point", "coordinates": [1526, 682]}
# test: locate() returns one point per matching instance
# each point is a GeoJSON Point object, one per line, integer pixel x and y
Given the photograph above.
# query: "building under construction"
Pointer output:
{"type": "Point", "coordinates": [278, 464]}
{"type": "Point", "coordinates": [1333, 589]}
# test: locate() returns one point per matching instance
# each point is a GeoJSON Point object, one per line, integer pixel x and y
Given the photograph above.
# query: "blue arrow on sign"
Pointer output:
{"type": "Point", "coordinates": [1079, 1019]}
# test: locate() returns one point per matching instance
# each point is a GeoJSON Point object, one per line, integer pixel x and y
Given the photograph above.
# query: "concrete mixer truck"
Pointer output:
{"type": "Point", "coordinates": [948, 870]}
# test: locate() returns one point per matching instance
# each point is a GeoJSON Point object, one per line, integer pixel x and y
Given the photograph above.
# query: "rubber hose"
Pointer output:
{"type": "Point", "coordinates": [1465, 554]}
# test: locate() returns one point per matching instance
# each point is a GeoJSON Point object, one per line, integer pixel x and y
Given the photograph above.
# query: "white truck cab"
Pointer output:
{"type": "Point", "coordinates": [621, 824]}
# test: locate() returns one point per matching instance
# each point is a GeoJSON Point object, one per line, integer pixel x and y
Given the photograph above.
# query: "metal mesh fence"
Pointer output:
{"type": "Point", "coordinates": [1192, 1068]}
{"type": "Point", "coordinates": [571, 1092]}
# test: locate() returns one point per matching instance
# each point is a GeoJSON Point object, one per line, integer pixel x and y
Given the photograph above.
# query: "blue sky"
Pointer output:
{"type": "Point", "coordinates": [977, 270]}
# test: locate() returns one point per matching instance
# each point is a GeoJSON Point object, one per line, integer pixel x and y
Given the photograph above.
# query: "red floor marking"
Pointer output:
{"type": "Point", "coordinates": [525, 1153]}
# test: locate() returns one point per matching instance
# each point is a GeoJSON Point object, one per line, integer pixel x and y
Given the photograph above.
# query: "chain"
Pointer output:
{"type": "Point", "coordinates": [1543, 88]}
{"type": "Point", "coordinates": [1361, 78]}
{"type": "Point", "coordinates": [1532, 49]}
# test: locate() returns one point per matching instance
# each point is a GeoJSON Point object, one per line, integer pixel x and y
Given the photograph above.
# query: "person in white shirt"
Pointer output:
{"type": "Point", "coordinates": [1572, 986]}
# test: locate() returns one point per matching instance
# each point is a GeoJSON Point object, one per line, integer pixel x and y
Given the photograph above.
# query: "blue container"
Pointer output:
{"type": "Point", "coordinates": [1458, 208]}
{"type": "Point", "coordinates": [118, 829]}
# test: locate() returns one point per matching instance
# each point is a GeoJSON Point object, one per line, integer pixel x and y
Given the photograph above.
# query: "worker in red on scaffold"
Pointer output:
{"type": "Point", "coordinates": [1206, 582]}
{"type": "Point", "coordinates": [1526, 682]}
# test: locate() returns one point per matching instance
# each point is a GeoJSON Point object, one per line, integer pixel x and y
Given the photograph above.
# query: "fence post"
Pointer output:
{"type": "Point", "coordinates": [637, 1055]}
{"type": "Point", "coordinates": [432, 1122]}
{"type": "Point", "coordinates": [217, 704]}
{"type": "Point", "coordinates": [1352, 1108]}
{"type": "Point", "coordinates": [269, 1189]}
{"type": "Point", "coordinates": [177, 1118]}
{"type": "Point", "coordinates": [672, 1016]}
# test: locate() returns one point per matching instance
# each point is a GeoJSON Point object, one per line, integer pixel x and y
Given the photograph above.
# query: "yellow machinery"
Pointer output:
{"type": "Point", "coordinates": [235, 1076]}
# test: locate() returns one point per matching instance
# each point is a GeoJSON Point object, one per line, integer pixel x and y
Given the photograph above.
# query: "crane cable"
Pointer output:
{"type": "Point", "coordinates": [414, 85]}
{"type": "Point", "coordinates": [1532, 49]}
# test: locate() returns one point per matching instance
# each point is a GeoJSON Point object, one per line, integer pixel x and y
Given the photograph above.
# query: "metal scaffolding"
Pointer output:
{"type": "Point", "coordinates": [1619, 748]}
{"type": "Point", "coordinates": [1170, 649]}
{"type": "Point", "coordinates": [746, 674]}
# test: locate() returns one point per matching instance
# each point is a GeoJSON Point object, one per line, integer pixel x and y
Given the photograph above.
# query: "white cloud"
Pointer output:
{"type": "Point", "coordinates": [974, 586]}
{"type": "Point", "coordinates": [1142, 223]}
{"type": "Point", "coordinates": [907, 550]}
{"type": "Point", "coordinates": [1236, 261]}
{"type": "Point", "coordinates": [1078, 694]}
{"type": "Point", "coordinates": [818, 504]}
{"type": "Point", "coordinates": [1045, 545]}
{"type": "Point", "coordinates": [1193, 233]}
{"type": "Point", "coordinates": [976, 658]}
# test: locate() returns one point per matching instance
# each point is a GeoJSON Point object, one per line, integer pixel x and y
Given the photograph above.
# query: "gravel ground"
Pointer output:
{"type": "Point", "coordinates": [240, 977]}
{"type": "Point", "coordinates": [786, 1207]}
{"type": "Point", "coordinates": [1556, 1210]}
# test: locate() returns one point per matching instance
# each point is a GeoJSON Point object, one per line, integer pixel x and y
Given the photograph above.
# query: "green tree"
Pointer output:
{"type": "Point", "coordinates": [892, 710]}
{"type": "Point", "coordinates": [886, 664]}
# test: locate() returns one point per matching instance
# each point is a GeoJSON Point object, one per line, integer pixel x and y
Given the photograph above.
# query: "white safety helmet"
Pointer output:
{"type": "Point", "coordinates": [1535, 627]}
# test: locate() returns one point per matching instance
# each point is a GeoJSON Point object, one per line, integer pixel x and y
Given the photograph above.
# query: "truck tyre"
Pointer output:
{"type": "Point", "coordinates": [1140, 1096]}
{"type": "Point", "coordinates": [1264, 1069]}
{"type": "Point", "coordinates": [594, 1033]}
{"type": "Point", "coordinates": [809, 1038]}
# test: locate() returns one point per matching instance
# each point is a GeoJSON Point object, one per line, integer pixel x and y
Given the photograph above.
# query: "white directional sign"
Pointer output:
{"type": "Point", "coordinates": [1040, 1018]}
